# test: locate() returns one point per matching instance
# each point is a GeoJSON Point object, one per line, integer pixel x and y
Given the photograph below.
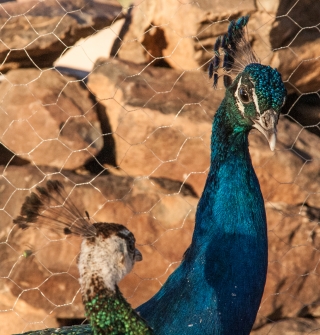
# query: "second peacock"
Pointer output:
{"type": "Point", "coordinates": [218, 286]}
{"type": "Point", "coordinates": [107, 254]}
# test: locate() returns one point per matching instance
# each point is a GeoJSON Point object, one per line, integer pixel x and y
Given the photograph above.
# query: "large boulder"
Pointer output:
{"type": "Point", "coordinates": [161, 123]}
{"type": "Point", "coordinates": [158, 33]}
{"type": "Point", "coordinates": [293, 326]}
{"type": "Point", "coordinates": [35, 33]}
{"type": "Point", "coordinates": [295, 37]}
{"type": "Point", "coordinates": [293, 279]}
{"type": "Point", "coordinates": [160, 119]}
{"type": "Point", "coordinates": [290, 174]}
{"type": "Point", "coordinates": [48, 119]}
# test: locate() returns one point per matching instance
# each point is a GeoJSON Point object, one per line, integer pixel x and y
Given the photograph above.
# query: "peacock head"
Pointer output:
{"type": "Point", "coordinates": [255, 92]}
{"type": "Point", "coordinates": [255, 99]}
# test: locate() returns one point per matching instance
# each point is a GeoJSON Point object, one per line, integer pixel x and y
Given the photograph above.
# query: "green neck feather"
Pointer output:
{"type": "Point", "coordinates": [111, 314]}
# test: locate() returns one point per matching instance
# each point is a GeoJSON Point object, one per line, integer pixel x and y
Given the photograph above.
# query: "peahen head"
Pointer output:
{"type": "Point", "coordinates": [108, 251]}
{"type": "Point", "coordinates": [255, 92]}
{"type": "Point", "coordinates": [107, 257]}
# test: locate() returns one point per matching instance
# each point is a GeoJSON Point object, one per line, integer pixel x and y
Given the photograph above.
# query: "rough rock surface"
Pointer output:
{"type": "Point", "coordinates": [293, 272]}
{"type": "Point", "coordinates": [160, 118]}
{"type": "Point", "coordinates": [158, 33]}
{"type": "Point", "coordinates": [157, 30]}
{"type": "Point", "coordinates": [48, 119]}
{"type": "Point", "coordinates": [293, 326]}
{"type": "Point", "coordinates": [35, 33]}
{"type": "Point", "coordinates": [295, 34]}
{"type": "Point", "coordinates": [290, 174]}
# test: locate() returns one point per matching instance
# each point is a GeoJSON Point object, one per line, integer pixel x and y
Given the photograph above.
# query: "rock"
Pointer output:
{"type": "Point", "coordinates": [291, 18]}
{"type": "Point", "coordinates": [48, 119]}
{"type": "Point", "coordinates": [143, 205]}
{"type": "Point", "coordinates": [304, 109]}
{"type": "Point", "coordinates": [294, 326]}
{"type": "Point", "coordinates": [289, 179]}
{"type": "Point", "coordinates": [157, 32]}
{"type": "Point", "coordinates": [83, 55]}
{"type": "Point", "coordinates": [22, 317]}
{"type": "Point", "coordinates": [290, 173]}
{"type": "Point", "coordinates": [295, 34]}
{"type": "Point", "coordinates": [36, 33]}
{"type": "Point", "coordinates": [293, 278]}
{"type": "Point", "coordinates": [162, 128]}
{"type": "Point", "coordinates": [161, 119]}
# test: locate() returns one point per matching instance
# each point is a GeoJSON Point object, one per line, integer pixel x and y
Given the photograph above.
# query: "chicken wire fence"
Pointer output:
{"type": "Point", "coordinates": [129, 136]}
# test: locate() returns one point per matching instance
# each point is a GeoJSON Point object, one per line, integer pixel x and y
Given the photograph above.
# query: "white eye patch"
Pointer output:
{"type": "Point", "coordinates": [255, 100]}
{"type": "Point", "coordinates": [238, 100]}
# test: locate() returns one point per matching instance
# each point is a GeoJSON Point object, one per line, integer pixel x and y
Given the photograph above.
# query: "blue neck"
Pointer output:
{"type": "Point", "coordinates": [230, 168]}
{"type": "Point", "coordinates": [227, 139]}
{"type": "Point", "coordinates": [218, 286]}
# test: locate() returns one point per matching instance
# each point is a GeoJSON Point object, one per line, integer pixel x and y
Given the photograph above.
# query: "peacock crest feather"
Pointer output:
{"type": "Point", "coordinates": [236, 50]}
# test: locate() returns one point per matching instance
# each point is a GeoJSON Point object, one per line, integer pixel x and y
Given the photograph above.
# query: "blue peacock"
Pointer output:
{"type": "Point", "coordinates": [218, 286]}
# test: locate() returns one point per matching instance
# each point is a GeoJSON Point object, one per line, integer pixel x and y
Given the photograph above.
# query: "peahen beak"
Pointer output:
{"type": "Point", "coordinates": [267, 125]}
{"type": "Point", "coordinates": [137, 255]}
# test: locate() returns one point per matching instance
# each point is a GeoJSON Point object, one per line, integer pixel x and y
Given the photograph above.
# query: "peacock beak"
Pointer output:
{"type": "Point", "coordinates": [137, 255]}
{"type": "Point", "coordinates": [267, 125]}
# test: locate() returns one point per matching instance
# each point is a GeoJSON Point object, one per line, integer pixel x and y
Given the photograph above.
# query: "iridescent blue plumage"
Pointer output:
{"type": "Point", "coordinates": [268, 88]}
{"type": "Point", "coordinates": [218, 286]}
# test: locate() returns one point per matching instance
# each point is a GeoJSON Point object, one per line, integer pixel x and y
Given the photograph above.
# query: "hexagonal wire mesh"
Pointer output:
{"type": "Point", "coordinates": [129, 136]}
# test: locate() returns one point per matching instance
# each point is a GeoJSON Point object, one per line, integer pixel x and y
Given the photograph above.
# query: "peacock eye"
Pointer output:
{"type": "Point", "coordinates": [244, 95]}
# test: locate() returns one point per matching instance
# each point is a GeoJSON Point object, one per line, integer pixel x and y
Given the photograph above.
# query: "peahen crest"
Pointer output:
{"type": "Point", "coordinates": [51, 208]}
{"type": "Point", "coordinates": [237, 51]}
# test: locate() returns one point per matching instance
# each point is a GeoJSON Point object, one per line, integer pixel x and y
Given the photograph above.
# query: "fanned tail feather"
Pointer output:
{"type": "Point", "coordinates": [237, 52]}
{"type": "Point", "coordinates": [51, 208]}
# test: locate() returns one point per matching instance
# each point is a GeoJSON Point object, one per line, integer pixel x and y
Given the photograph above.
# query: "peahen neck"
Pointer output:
{"type": "Point", "coordinates": [101, 267]}
{"type": "Point", "coordinates": [110, 314]}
